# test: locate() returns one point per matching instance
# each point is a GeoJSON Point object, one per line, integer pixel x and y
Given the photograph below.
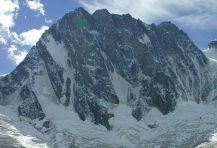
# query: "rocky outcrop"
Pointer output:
{"type": "Point", "coordinates": [211, 51]}
{"type": "Point", "coordinates": [213, 44]}
{"type": "Point", "coordinates": [30, 106]}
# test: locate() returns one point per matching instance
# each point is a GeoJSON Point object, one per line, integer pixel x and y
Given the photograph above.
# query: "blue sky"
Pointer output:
{"type": "Point", "coordinates": [23, 21]}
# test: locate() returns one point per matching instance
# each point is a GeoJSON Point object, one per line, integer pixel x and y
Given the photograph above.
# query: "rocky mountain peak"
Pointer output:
{"type": "Point", "coordinates": [213, 44]}
{"type": "Point", "coordinates": [80, 9]}
{"type": "Point", "coordinates": [211, 51]}
{"type": "Point", "coordinates": [95, 63]}
{"type": "Point", "coordinates": [102, 12]}
{"type": "Point", "coordinates": [169, 27]}
{"type": "Point", "coordinates": [168, 24]}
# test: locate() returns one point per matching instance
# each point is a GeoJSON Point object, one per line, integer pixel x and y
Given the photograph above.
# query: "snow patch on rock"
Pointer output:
{"type": "Point", "coordinates": [145, 40]}
{"type": "Point", "coordinates": [57, 51]}
{"type": "Point", "coordinates": [121, 86]}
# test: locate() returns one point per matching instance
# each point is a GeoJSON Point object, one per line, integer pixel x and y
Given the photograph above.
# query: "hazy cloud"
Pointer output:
{"type": "Point", "coordinates": [193, 13]}
{"type": "Point", "coordinates": [48, 21]}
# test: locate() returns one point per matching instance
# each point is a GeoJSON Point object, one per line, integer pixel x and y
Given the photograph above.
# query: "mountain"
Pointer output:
{"type": "Point", "coordinates": [211, 51]}
{"type": "Point", "coordinates": [213, 44]}
{"type": "Point", "coordinates": [100, 66]}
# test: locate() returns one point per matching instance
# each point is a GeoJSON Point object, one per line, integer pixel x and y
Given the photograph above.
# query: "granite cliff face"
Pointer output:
{"type": "Point", "coordinates": [92, 63]}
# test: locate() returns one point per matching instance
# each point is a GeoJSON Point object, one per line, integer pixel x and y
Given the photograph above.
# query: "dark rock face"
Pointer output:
{"type": "Point", "coordinates": [46, 124]}
{"type": "Point", "coordinates": [213, 44]}
{"type": "Point", "coordinates": [96, 62]}
{"type": "Point", "coordinates": [68, 91]}
{"type": "Point", "coordinates": [30, 106]}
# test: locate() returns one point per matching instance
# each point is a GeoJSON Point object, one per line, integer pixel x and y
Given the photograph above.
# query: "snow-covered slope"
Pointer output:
{"type": "Point", "coordinates": [188, 126]}
{"type": "Point", "coordinates": [104, 80]}
{"type": "Point", "coordinates": [17, 134]}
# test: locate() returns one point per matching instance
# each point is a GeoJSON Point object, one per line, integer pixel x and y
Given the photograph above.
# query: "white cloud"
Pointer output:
{"type": "Point", "coordinates": [8, 11]}
{"type": "Point", "coordinates": [2, 40]}
{"type": "Point", "coordinates": [36, 5]}
{"type": "Point", "coordinates": [30, 37]}
{"type": "Point", "coordinates": [17, 43]}
{"type": "Point", "coordinates": [25, 39]}
{"type": "Point", "coordinates": [194, 13]}
{"type": "Point", "coordinates": [16, 55]}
